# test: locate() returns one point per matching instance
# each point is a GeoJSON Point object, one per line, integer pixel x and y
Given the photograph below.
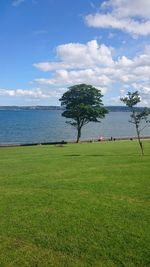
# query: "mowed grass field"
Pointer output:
{"type": "Point", "coordinates": [75, 205]}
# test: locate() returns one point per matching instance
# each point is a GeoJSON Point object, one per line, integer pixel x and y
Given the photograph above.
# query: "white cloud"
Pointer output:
{"type": "Point", "coordinates": [144, 90]}
{"type": "Point", "coordinates": [16, 3]}
{"type": "Point", "coordinates": [126, 24]}
{"type": "Point", "coordinates": [76, 55]}
{"type": "Point", "coordinates": [128, 8]}
{"type": "Point", "coordinates": [50, 66]}
{"type": "Point", "coordinates": [78, 63]}
{"type": "Point", "coordinates": [92, 63]}
{"type": "Point", "coordinates": [126, 15]}
{"type": "Point", "coordinates": [89, 76]}
{"type": "Point", "coordinates": [36, 93]}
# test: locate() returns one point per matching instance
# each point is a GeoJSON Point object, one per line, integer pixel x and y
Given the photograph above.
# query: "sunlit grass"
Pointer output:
{"type": "Point", "coordinates": [75, 205]}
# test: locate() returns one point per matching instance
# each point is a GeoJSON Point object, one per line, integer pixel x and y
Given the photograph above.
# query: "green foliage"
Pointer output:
{"type": "Point", "coordinates": [84, 205]}
{"type": "Point", "coordinates": [83, 104]}
{"type": "Point", "coordinates": [131, 99]}
{"type": "Point", "coordinates": [137, 118]}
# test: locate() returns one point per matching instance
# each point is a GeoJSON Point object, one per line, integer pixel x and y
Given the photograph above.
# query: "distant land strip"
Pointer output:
{"type": "Point", "coordinates": [110, 108]}
{"type": "Point", "coordinates": [61, 143]}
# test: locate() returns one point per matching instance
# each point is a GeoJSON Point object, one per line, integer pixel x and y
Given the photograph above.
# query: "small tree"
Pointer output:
{"type": "Point", "coordinates": [137, 118]}
{"type": "Point", "coordinates": [82, 104]}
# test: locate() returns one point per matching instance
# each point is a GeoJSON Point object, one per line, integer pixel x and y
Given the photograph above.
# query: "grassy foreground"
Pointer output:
{"type": "Point", "coordinates": [76, 205]}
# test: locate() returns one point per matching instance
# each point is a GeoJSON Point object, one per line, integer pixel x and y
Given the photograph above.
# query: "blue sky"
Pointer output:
{"type": "Point", "coordinates": [49, 45]}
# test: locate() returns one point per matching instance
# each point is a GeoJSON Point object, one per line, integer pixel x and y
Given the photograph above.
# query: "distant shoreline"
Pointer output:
{"type": "Point", "coordinates": [23, 108]}
{"type": "Point", "coordinates": [74, 142]}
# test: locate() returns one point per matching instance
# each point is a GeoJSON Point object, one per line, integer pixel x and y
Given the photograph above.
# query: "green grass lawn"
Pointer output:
{"type": "Point", "coordinates": [76, 205]}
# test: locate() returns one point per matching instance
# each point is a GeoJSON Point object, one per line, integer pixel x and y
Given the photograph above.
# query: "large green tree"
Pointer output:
{"type": "Point", "coordinates": [139, 119]}
{"type": "Point", "coordinates": [83, 104]}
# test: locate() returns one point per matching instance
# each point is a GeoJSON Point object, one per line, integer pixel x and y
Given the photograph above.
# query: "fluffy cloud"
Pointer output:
{"type": "Point", "coordinates": [126, 8]}
{"type": "Point", "coordinates": [144, 90]}
{"type": "Point", "coordinates": [94, 64]}
{"type": "Point", "coordinates": [76, 55]}
{"type": "Point", "coordinates": [79, 63]}
{"type": "Point", "coordinates": [89, 76]}
{"type": "Point", "coordinates": [126, 15]}
{"type": "Point", "coordinates": [36, 93]}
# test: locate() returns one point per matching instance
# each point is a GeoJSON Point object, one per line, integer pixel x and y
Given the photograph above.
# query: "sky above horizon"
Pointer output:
{"type": "Point", "coordinates": [47, 46]}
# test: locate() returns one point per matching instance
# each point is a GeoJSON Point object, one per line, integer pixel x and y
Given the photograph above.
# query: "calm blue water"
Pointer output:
{"type": "Point", "coordinates": [38, 126]}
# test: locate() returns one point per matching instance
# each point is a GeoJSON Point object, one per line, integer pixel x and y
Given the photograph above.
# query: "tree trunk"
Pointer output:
{"type": "Point", "coordinates": [139, 139]}
{"type": "Point", "coordinates": [137, 130]}
{"type": "Point", "coordinates": [78, 134]}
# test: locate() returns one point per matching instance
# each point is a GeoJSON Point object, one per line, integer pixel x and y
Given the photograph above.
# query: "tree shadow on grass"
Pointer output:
{"type": "Point", "coordinates": [105, 155]}
{"type": "Point", "coordinates": [117, 155]}
{"type": "Point", "coordinates": [73, 155]}
{"type": "Point", "coordinates": [79, 155]}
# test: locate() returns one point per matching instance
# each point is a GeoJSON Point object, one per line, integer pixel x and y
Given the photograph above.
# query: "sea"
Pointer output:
{"type": "Point", "coordinates": [44, 126]}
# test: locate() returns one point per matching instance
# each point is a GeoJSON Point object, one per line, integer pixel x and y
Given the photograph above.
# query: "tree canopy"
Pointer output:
{"type": "Point", "coordinates": [83, 104]}
{"type": "Point", "coordinates": [137, 118]}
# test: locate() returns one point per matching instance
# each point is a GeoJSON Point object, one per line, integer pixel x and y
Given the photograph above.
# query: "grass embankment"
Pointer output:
{"type": "Point", "coordinates": [77, 205]}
